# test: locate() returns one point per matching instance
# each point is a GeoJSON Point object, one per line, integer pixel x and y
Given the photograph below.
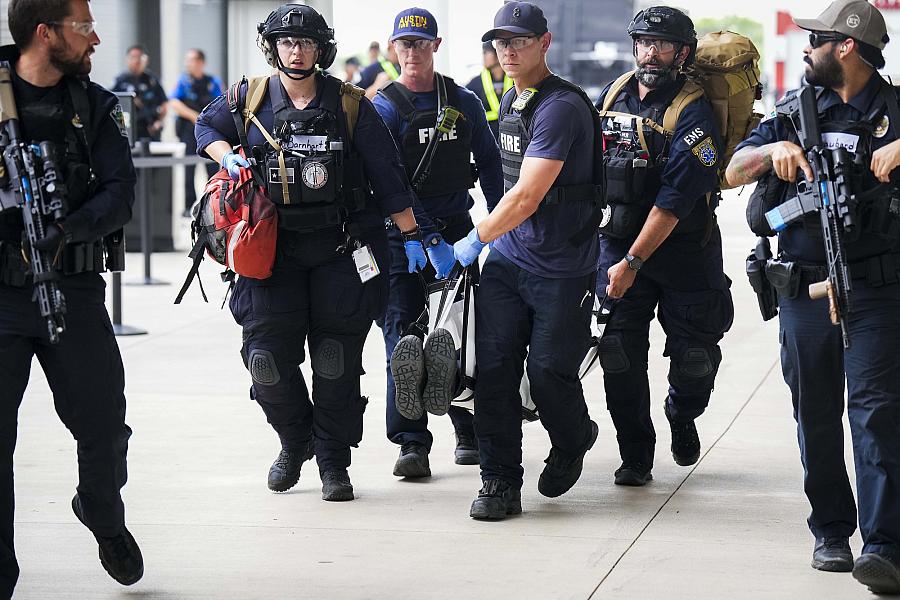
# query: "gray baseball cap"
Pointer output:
{"type": "Point", "coordinates": [854, 18]}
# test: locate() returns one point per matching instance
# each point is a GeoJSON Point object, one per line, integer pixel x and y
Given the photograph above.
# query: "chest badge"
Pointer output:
{"type": "Point", "coordinates": [524, 98]}
{"type": "Point", "coordinates": [882, 128]}
{"type": "Point", "coordinates": [705, 152]}
{"type": "Point", "coordinates": [314, 175]}
{"type": "Point", "coordinates": [76, 122]}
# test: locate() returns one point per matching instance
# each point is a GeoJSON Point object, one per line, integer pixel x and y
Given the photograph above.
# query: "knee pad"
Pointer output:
{"type": "Point", "coordinates": [696, 362]}
{"type": "Point", "coordinates": [613, 358]}
{"type": "Point", "coordinates": [328, 361]}
{"type": "Point", "coordinates": [263, 370]}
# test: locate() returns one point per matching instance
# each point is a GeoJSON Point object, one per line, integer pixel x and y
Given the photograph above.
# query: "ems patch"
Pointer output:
{"type": "Point", "coordinates": [524, 98]}
{"type": "Point", "coordinates": [705, 152]}
{"type": "Point", "coordinates": [118, 117]}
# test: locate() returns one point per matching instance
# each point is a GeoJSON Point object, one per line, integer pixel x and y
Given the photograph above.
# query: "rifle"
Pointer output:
{"type": "Point", "coordinates": [29, 180]}
{"type": "Point", "coordinates": [828, 193]}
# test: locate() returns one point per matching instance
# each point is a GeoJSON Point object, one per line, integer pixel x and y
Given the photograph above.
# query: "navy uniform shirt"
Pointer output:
{"type": "Point", "coordinates": [367, 76]}
{"type": "Point", "coordinates": [690, 173]}
{"type": "Point", "coordinates": [562, 128]}
{"type": "Point", "coordinates": [149, 96]}
{"type": "Point", "coordinates": [109, 207]}
{"type": "Point", "coordinates": [794, 241]}
{"type": "Point", "coordinates": [371, 139]}
{"type": "Point", "coordinates": [196, 94]}
{"type": "Point", "coordinates": [484, 149]}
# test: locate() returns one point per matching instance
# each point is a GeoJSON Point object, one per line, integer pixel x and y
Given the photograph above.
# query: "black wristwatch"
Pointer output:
{"type": "Point", "coordinates": [414, 235]}
{"type": "Point", "coordinates": [634, 262]}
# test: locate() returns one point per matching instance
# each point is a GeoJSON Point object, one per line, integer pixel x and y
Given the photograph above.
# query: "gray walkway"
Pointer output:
{"type": "Point", "coordinates": [731, 527]}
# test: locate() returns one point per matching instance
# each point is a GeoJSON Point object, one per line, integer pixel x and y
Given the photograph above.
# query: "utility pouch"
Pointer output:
{"type": "Point", "coordinates": [274, 183]}
{"type": "Point", "coordinates": [114, 249]}
{"type": "Point", "coordinates": [623, 221]}
{"type": "Point", "coordinates": [318, 180]}
{"type": "Point", "coordinates": [784, 277]}
{"type": "Point", "coordinates": [766, 295]}
{"type": "Point", "coordinates": [625, 177]}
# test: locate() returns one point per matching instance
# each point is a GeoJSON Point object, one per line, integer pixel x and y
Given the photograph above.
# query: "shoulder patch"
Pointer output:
{"type": "Point", "coordinates": [705, 152]}
{"type": "Point", "coordinates": [695, 136]}
{"type": "Point", "coordinates": [118, 117]}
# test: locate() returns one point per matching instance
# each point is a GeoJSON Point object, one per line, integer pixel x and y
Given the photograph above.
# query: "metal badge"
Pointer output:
{"type": "Point", "coordinates": [882, 128]}
{"type": "Point", "coordinates": [524, 98]}
{"type": "Point", "coordinates": [314, 175]}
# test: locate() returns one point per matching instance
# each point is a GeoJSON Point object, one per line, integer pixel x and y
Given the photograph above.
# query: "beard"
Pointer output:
{"type": "Point", "coordinates": [826, 73]}
{"type": "Point", "coordinates": [656, 75]}
{"type": "Point", "coordinates": [63, 59]}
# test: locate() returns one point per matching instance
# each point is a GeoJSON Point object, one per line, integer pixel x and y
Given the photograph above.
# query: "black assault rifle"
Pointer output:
{"type": "Point", "coordinates": [29, 180]}
{"type": "Point", "coordinates": [828, 193]}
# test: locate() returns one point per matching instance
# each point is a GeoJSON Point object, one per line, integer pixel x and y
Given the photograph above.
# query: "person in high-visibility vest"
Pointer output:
{"type": "Point", "coordinates": [490, 85]}
{"type": "Point", "coordinates": [385, 68]}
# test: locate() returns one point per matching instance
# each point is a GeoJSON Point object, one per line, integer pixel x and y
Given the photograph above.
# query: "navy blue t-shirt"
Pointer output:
{"type": "Point", "coordinates": [562, 128]}
{"type": "Point", "coordinates": [794, 241]}
{"type": "Point", "coordinates": [367, 76]}
{"type": "Point", "coordinates": [371, 139]}
{"type": "Point", "coordinates": [484, 149]}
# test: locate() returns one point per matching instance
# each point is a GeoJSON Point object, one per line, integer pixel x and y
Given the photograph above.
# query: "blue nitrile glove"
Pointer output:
{"type": "Point", "coordinates": [232, 163]}
{"type": "Point", "coordinates": [415, 254]}
{"type": "Point", "coordinates": [467, 249]}
{"type": "Point", "coordinates": [440, 254]}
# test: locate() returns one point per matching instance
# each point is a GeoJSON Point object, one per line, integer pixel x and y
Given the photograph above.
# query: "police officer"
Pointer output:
{"type": "Point", "coordinates": [150, 98]}
{"type": "Point", "coordinates": [194, 91]}
{"type": "Point", "coordinates": [660, 248]}
{"type": "Point", "coordinates": [410, 108]}
{"type": "Point", "coordinates": [385, 68]}
{"type": "Point", "coordinates": [325, 285]}
{"type": "Point", "coordinates": [490, 85]}
{"type": "Point", "coordinates": [843, 55]}
{"type": "Point", "coordinates": [56, 103]}
{"type": "Point", "coordinates": [537, 284]}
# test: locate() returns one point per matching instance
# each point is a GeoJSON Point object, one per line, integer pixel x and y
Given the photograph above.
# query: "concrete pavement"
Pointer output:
{"type": "Point", "coordinates": [733, 526]}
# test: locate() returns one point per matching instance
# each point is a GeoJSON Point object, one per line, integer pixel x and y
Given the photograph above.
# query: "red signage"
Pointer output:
{"type": "Point", "coordinates": [887, 4]}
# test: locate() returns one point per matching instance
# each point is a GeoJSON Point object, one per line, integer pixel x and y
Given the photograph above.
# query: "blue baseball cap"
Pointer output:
{"type": "Point", "coordinates": [415, 22]}
{"type": "Point", "coordinates": [518, 17]}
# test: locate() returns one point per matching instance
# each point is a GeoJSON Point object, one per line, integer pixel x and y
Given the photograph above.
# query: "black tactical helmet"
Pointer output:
{"type": "Point", "coordinates": [301, 21]}
{"type": "Point", "coordinates": [665, 23]}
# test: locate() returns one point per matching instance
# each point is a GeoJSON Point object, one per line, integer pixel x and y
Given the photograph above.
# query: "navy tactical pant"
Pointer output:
{"type": "Point", "coordinates": [406, 301]}
{"type": "Point", "coordinates": [314, 293]}
{"type": "Point", "coordinates": [815, 364]}
{"type": "Point", "coordinates": [87, 379]}
{"type": "Point", "coordinates": [519, 313]}
{"type": "Point", "coordinates": [694, 320]}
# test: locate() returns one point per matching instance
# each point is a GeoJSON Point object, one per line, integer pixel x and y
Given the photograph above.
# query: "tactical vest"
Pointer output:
{"type": "Point", "coordinates": [515, 135]}
{"type": "Point", "coordinates": [312, 175]}
{"type": "Point", "coordinates": [451, 169]}
{"type": "Point", "coordinates": [635, 152]}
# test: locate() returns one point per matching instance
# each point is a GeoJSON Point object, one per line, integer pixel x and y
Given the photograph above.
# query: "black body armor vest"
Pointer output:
{"type": "Point", "coordinates": [325, 182]}
{"type": "Point", "coordinates": [515, 135]}
{"type": "Point", "coordinates": [197, 99]}
{"type": "Point", "coordinates": [451, 168]}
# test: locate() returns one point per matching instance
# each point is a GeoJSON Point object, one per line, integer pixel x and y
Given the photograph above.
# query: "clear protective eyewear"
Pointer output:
{"type": "Point", "coordinates": [419, 45]}
{"type": "Point", "coordinates": [85, 28]}
{"type": "Point", "coordinates": [516, 43]}
{"type": "Point", "coordinates": [289, 43]}
{"type": "Point", "coordinates": [662, 46]}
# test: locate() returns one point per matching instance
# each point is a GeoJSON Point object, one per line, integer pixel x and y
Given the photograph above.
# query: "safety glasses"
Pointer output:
{"type": "Point", "coordinates": [515, 43]}
{"type": "Point", "coordinates": [662, 46]}
{"type": "Point", "coordinates": [85, 28]}
{"type": "Point", "coordinates": [289, 43]}
{"type": "Point", "coordinates": [818, 38]}
{"type": "Point", "coordinates": [413, 44]}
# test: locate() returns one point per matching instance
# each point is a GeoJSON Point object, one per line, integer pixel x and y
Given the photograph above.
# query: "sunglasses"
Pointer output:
{"type": "Point", "coordinates": [817, 38]}
{"type": "Point", "coordinates": [85, 28]}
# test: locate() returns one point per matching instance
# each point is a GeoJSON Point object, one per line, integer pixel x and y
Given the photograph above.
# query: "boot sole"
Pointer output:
{"type": "Point", "coordinates": [466, 459]}
{"type": "Point", "coordinates": [407, 369]}
{"type": "Point", "coordinates": [595, 431]}
{"type": "Point", "coordinates": [400, 470]}
{"type": "Point", "coordinates": [686, 462]}
{"type": "Point", "coordinates": [489, 515]}
{"type": "Point", "coordinates": [632, 479]}
{"type": "Point", "coordinates": [440, 369]}
{"type": "Point", "coordinates": [877, 573]}
{"type": "Point", "coordinates": [103, 563]}
{"type": "Point", "coordinates": [338, 497]}
{"type": "Point", "coordinates": [832, 566]}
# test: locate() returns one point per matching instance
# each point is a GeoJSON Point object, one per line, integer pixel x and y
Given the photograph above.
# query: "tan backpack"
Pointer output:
{"type": "Point", "coordinates": [726, 71]}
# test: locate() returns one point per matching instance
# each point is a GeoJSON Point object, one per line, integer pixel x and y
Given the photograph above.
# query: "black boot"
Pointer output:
{"type": "Point", "coordinates": [832, 554]}
{"type": "Point", "coordinates": [413, 461]}
{"type": "Point", "coordinates": [685, 441]}
{"type": "Point", "coordinates": [633, 474]}
{"type": "Point", "coordinates": [408, 371]}
{"type": "Point", "coordinates": [285, 471]}
{"type": "Point", "coordinates": [440, 372]}
{"type": "Point", "coordinates": [496, 500]}
{"type": "Point", "coordinates": [466, 452]}
{"type": "Point", "coordinates": [562, 470]}
{"type": "Point", "coordinates": [879, 573]}
{"type": "Point", "coordinates": [119, 554]}
{"type": "Point", "coordinates": [336, 486]}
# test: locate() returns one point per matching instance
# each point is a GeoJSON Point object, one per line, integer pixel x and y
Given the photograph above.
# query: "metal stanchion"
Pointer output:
{"type": "Point", "coordinates": [118, 328]}
{"type": "Point", "coordinates": [146, 219]}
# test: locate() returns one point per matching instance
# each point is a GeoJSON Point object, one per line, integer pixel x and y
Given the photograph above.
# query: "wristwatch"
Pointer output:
{"type": "Point", "coordinates": [634, 262]}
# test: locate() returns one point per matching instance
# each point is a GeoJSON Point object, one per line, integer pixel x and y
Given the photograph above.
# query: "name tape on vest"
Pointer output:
{"type": "Point", "coordinates": [307, 143]}
{"type": "Point", "coordinates": [833, 140]}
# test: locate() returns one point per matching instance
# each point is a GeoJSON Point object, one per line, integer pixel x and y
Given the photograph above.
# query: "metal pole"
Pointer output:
{"type": "Point", "coordinates": [146, 217]}
{"type": "Point", "coordinates": [118, 328]}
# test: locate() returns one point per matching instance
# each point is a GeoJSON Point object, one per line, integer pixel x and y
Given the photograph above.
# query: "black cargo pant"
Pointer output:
{"type": "Point", "coordinates": [87, 379]}
{"type": "Point", "coordinates": [314, 292]}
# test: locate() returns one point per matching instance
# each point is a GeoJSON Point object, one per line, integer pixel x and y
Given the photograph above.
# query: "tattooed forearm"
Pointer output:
{"type": "Point", "coordinates": [749, 164]}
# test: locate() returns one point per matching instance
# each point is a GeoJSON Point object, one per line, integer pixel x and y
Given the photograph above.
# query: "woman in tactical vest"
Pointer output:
{"type": "Point", "coordinates": [332, 169]}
